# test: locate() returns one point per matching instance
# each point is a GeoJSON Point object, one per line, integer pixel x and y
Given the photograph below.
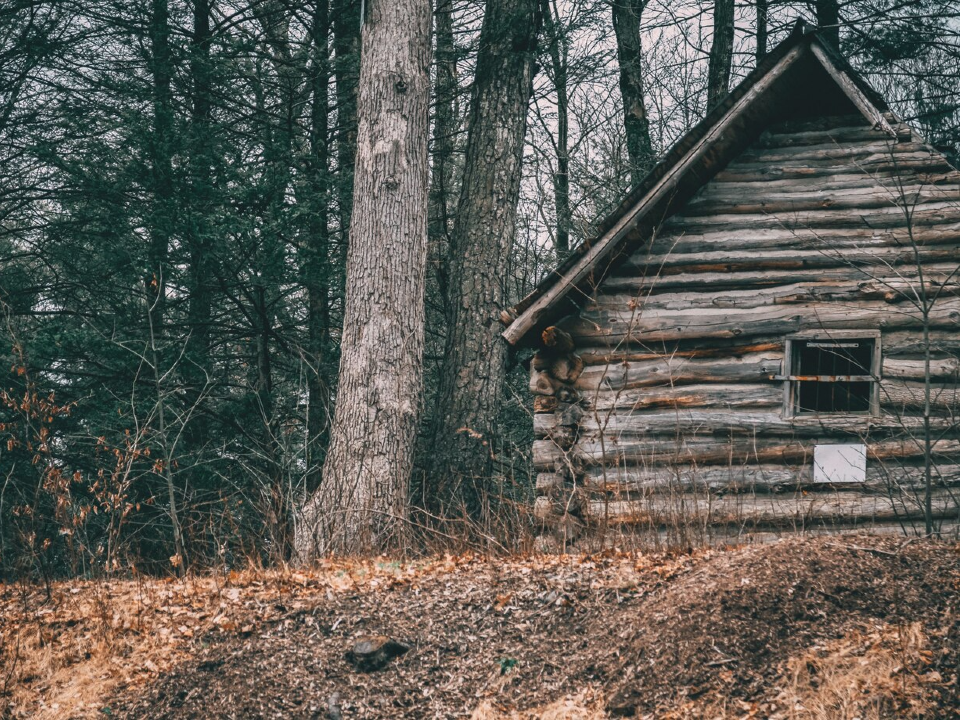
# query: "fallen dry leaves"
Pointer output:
{"type": "Point", "coordinates": [64, 654]}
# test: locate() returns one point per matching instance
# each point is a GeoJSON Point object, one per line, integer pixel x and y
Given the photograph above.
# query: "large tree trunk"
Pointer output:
{"type": "Point", "coordinates": [362, 501]}
{"type": "Point", "coordinates": [471, 382]}
{"type": "Point", "coordinates": [721, 52]}
{"type": "Point", "coordinates": [626, 25]}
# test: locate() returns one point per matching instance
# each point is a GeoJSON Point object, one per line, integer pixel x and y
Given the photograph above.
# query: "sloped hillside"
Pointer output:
{"type": "Point", "coordinates": [806, 628]}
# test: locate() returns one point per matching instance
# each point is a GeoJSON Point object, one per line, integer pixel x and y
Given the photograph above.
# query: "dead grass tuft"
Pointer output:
{"type": "Point", "coordinates": [872, 673]}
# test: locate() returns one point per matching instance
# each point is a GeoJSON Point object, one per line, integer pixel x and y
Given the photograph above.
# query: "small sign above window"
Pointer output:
{"type": "Point", "coordinates": [840, 463]}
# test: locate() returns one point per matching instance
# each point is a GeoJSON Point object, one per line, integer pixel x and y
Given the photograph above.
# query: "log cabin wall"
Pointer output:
{"type": "Point", "coordinates": [662, 403]}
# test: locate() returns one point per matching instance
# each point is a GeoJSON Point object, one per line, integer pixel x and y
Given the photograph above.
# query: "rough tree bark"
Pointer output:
{"type": "Point", "coordinates": [721, 52]}
{"type": "Point", "coordinates": [471, 382]}
{"type": "Point", "coordinates": [361, 504]}
{"type": "Point", "coordinates": [626, 26]}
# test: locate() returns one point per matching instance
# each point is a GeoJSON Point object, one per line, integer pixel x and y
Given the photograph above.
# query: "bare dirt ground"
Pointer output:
{"type": "Point", "coordinates": [852, 627]}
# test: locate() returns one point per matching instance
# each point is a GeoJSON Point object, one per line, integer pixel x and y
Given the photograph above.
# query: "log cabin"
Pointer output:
{"type": "Point", "coordinates": [763, 336]}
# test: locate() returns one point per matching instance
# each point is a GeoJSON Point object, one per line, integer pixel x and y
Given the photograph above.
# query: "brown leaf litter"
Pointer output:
{"type": "Point", "coordinates": [853, 627]}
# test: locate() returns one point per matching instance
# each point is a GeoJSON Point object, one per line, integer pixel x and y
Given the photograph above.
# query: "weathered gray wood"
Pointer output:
{"type": "Point", "coordinates": [940, 369]}
{"type": "Point", "coordinates": [892, 290]}
{"type": "Point", "coordinates": [828, 150]}
{"type": "Point", "coordinates": [892, 258]}
{"type": "Point", "coordinates": [620, 481]}
{"type": "Point", "coordinates": [850, 134]}
{"type": "Point", "coordinates": [745, 277]}
{"type": "Point", "coordinates": [651, 324]}
{"type": "Point", "coordinates": [911, 195]}
{"type": "Point", "coordinates": [621, 424]}
{"type": "Point", "coordinates": [880, 163]}
{"type": "Point", "coordinates": [703, 450]}
{"type": "Point", "coordinates": [784, 509]}
{"type": "Point", "coordinates": [716, 395]}
{"type": "Point", "coordinates": [750, 368]}
{"type": "Point", "coordinates": [617, 353]}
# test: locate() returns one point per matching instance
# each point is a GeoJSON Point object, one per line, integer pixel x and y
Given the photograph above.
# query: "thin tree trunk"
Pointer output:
{"type": "Point", "coordinates": [626, 25]}
{"type": "Point", "coordinates": [762, 23]}
{"type": "Point", "coordinates": [444, 126]}
{"type": "Point", "coordinates": [317, 253]}
{"type": "Point", "coordinates": [362, 501]}
{"type": "Point", "coordinates": [471, 382]}
{"type": "Point", "coordinates": [561, 177]}
{"type": "Point", "coordinates": [161, 222]}
{"type": "Point", "coordinates": [346, 48]}
{"type": "Point", "coordinates": [721, 52]}
{"type": "Point", "coordinates": [828, 18]}
{"type": "Point", "coordinates": [197, 232]}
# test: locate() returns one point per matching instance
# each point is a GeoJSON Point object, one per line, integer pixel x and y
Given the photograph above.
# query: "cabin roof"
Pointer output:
{"type": "Point", "coordinates": [804, 75]}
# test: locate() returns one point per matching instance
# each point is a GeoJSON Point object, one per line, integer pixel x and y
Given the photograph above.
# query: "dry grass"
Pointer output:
{"type": "Point", "coordinates": [64, 655]}
{"type": "Point", "coordinates": [581, 707]}
{"type": "Point", "coordinates": [873, 673]}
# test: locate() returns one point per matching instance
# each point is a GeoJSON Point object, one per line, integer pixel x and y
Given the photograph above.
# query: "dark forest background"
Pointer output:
{"type": "Point", "coordinates": [175, 200]}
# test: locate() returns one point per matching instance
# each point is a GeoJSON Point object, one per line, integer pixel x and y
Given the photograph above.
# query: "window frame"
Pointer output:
{"type": "Point", "coordinates": [791, 381]}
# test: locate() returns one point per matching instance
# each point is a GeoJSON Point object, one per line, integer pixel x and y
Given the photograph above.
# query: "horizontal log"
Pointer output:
{"type": "Point", "coordinates": [617, 425]}
{"type": "Point", "coordinates": [749, 368]}
{"type": "Point", "coordinates": [865, 164]}
{"type": "Point", "coordinates": [892, 217]}
{"type": "Point", "coordinates": [940, 369]}
{"type": "Point", "coordinates": [719, 200]}
{"type": "Point", "coordinates": [798, 509]}
{"type": "Point", "coordinates": [787, 258]}
{"type": "Point", "coordinates": [630, 481]}
{"type": "Point", "coordinates": [906, 344]}
{"type": "Point", "coordinates": [702, 450]}
{"type": "Point", "coordinates": [920, 164]}
{"type": "Point", "coordinates": [744, 277]}
{"type": "Point", "coordinates": [851, 134]}
{"type": "Point", "coordinates": [832, 240]}
{"type": "Point", "coordinates": [897, 397]}
{"type": "Point", "coordinates": [892, 290]}
{"type": "Point", "coordinates": [626, 352]}
{"type": "Point", "coordinates": [716, 395]}
{"type": "Point", "coordinates": [655, 325]}
{"type": "Point", "coordinates": [786, 156]}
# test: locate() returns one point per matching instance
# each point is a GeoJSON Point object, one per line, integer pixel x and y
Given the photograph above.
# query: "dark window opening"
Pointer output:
{"type": "Point", "coordinates": [833, 376]}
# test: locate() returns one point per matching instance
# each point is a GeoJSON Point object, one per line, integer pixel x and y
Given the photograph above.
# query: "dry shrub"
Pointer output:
{"type": "Point", "coordinates": [874, 673]}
